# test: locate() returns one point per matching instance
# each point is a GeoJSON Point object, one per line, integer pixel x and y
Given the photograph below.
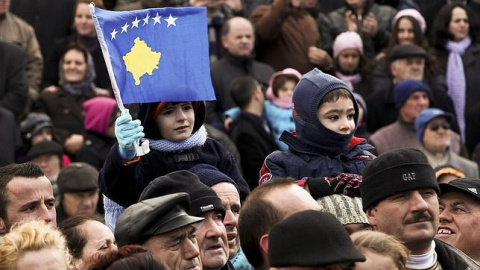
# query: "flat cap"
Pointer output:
{"type": "Point", "coordinates": [404, 51]}
{"type": "Point", "coordinates": [152, 217]}
{"type": "Point", "coordinates": [77, 177]}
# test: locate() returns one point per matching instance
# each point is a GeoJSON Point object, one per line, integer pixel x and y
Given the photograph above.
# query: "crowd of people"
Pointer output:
{"type": "Point", "coordinates": [344, 135]}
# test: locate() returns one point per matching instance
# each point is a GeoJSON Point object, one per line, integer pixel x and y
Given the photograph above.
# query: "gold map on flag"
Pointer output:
{"type": "Point", "coordinates": [141, 60]}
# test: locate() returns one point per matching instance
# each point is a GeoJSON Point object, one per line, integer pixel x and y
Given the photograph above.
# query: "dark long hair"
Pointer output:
{"type": "Point", "coordinates": [440, 32]}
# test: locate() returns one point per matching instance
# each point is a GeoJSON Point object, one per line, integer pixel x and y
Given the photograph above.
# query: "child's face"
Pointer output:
{"type": "Point", "coordinates": [176, 120]}
{"type": "Point", "coordinates": [286, 90]}
{"type": "Point", "coordinates": [348, 60]}
{"type": "Point", "coordinates": [338, 116]}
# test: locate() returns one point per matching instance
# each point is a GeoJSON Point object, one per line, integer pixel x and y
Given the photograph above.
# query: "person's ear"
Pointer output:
{"type": "Point", "coordinates": [3, 227]}
{"type": "Point", "coordinates": [371, 216]}
{"type": "Point", "coordinates": [264, 243]}
{"type": "Point", "coordinates": [393, 69]}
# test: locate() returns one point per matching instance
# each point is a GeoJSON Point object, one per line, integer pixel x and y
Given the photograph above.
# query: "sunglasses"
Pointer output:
{"type": "Point", "coordinates": [436, 126]}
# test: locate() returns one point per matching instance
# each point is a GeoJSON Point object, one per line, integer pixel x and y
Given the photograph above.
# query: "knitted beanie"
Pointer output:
{"type": "Point", "coordinates": [347, 40]}
{"type": "Point", "coordinates": [210, 175]}
{"type": "Point", "coordinates": [307, 96]}
{"type": "Point", "coordinates": [412, 13]}
{"type": "Point", "coordinates": [98, 112]}
{"type": "Point", "coordinates": [202, 198]}
{"type": "Point", "coordinates": [404, 89]}
{"type": "Point", "coordinates": [394, 172]}
{"type": "Point", "coordinates": [348, 210]}
{"type": "Point", "coordinates": [425, 117]}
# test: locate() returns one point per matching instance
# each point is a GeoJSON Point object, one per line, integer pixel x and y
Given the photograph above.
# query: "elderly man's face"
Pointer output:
{"type": "Point", "coordinates": [459, 222]}
{"type": "Point", "coordinates": [29, 198]}
{"type": "Point", "coordinates": [177, 249]}
{"type": "Point", "coordinates": [50, 164]}
{"type": "Point", "coordinates": [410, 68]}
{"type": "Point", "coordinates": [228, 193]}
{"type": "Point", "coordinates": [212, 240]}
{"type": "Point", "coordinates": [76, 203]}
{"type": "Point", "coordinates": [437, 135]}
{"type": "Point", "coordinates": [414, 105]}
{"type": "Point", "coordinates": [411, 216]}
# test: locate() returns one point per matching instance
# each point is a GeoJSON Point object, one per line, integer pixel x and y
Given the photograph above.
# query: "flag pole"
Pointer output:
{"type": "Point", "coordinates": [143, 148]}
{"type": "Point", "coordinates": [106, 56]}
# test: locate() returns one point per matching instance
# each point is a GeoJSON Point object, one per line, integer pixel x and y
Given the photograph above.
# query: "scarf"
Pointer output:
{"type": "Point", "coordinates": [456, 79]}
{"type": "Point", "coordinates": [196, 139]}
{"type": "Point", "coordinates": [349, 80]}
{"type": "Point", "coordinates": [79, 88]}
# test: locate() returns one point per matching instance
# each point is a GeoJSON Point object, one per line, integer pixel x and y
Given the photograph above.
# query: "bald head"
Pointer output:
{"type": "Point", "coordinates": [238, 37]}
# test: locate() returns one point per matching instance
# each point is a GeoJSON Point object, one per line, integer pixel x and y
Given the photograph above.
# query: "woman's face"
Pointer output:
{"type": "Point", "coordinates": [74, 66]}
{"type": "Point", "coordinates": [405, 34]}
{"type": "Point", "coordinates": [83, 21]}
{"type": "Point", "coordinates": [100, 239]}
{"type": "Point", "coordinates": [459, 25]}
{"type": "Point", "coordinates": [349, 60]}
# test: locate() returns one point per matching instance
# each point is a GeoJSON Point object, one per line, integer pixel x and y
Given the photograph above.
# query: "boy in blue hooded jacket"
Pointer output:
{"type": "Point", "coordinates": [325, 114]}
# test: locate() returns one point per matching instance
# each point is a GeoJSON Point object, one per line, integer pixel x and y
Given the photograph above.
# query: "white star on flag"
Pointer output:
{"type": "Point", "coordinates": [135, 23]}
{"type": "Point", "coordinates": [145, 20]}
{"type": "Point", "coordinates": [171, 20]}
{"type": "Point", "coordinates": [125, 27]}
{"type": "Point", "coordinates": [114, 34]}
{"type": "Point", "coordinates": [156, 19]}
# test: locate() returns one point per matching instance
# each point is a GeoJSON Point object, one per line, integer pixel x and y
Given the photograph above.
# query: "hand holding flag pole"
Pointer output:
{"type": "Point", "coordinates": [154, 55]}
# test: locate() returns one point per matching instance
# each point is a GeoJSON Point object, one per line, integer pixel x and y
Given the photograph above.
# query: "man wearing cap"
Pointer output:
{"type": "Point", "coordinates": [25, 194]}
{"type": "Point", "coordinates": [162, 226]}
{"type": "Point", "coordinates": [433, 131]}
{"type": "Point", "coordinates": [400, 197]}
{"type": "Point", "coordinates": [48, 155]}
{"type": "Point", "coordinates": [227, 190]}
{"type": "Point", "coordinates": [460, 215]}
{"type": "Point", "coordinates": [311, 239]}
{"type": "Point", "coordinates": [407, 62]}
{"type": "Point", "coordinates": [211, 234]}
{"type": "Point", "coordinates": [265, 206]}
{"type": "Point", "coordinates": [78, 190]}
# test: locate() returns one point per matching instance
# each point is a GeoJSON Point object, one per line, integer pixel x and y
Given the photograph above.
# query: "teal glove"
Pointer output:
{"type": "Point", "coordinates": [128, 132]}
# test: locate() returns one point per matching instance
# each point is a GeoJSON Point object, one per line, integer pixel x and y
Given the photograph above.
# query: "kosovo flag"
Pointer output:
{"type": "Point", "coordinates": [158, 54]}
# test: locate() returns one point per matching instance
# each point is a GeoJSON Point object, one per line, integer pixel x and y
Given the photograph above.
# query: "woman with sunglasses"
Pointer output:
{"type": "Point", "coordinates": [433, 131]}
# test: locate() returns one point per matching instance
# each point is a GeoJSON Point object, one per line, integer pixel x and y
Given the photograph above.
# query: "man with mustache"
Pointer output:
{"type": "Point", "coordinates": [400, 197]}
{"type": "Point", "coordinates": [162, 226]}
{"type": "Point", "coordinates": [211, 234]}
{"type": "Point", "coordinates": [227, 191]}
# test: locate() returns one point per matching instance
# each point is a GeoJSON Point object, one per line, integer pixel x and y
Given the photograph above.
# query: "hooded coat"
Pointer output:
{"type": "Point", "coordinates": [123, 182]}
{"type": "Point", "coordinates": [314, 150]}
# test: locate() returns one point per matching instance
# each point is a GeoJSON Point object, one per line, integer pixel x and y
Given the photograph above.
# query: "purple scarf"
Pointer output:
{"type": "Point", "coordinates": [456, 79]}
{"type": "Point", "coordinates": [349, 79]}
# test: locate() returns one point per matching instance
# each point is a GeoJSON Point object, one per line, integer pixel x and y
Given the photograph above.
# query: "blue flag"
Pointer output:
{"type": "Point", "coordinates": [158, 54]}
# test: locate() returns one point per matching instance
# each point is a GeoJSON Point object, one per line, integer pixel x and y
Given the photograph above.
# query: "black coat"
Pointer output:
{"type": "Point", "coordinates": [124, 183]}
{"type": "Point", "coordinates": [254, 145]}
{"type": "Point", "coordinates": [65, 110]}
{"type": "Point", "coordinates": [13, 82]}
{"type": "Point", "coordinates": [452, 258]}
{"type": "Point", "coordinates": [95, 149]}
